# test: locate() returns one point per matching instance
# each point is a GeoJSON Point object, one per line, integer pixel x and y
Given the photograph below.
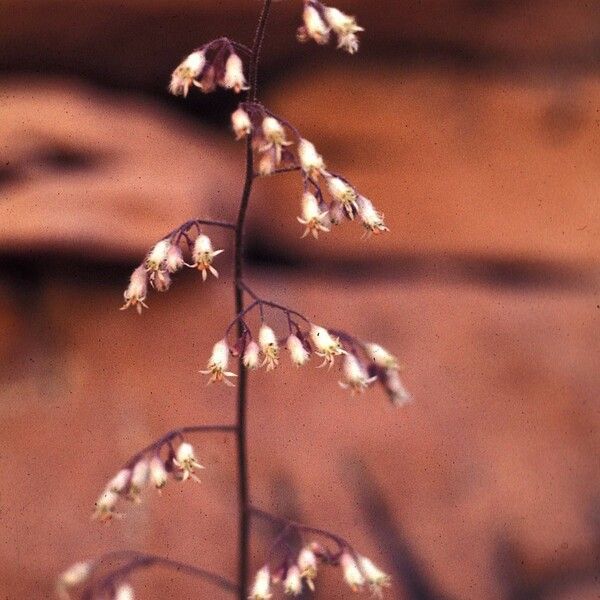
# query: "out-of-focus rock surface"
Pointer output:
{"type": "Point", "coordinates": [458, 162]}
{"type": "Point", "coordinates": [498, 452]}
{"type": "Point", "coordinates": [84, 170]}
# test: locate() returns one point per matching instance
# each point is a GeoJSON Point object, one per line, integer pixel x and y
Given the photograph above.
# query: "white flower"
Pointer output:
{"type": "Point", "coordinates": [160, 280]}
{"type": "Point", "coordinates": [395, 389]}
{"type": "Point", "coordinates": [293, 581]}
{"type": "Point", "coordinates": [136, 292]}
{"type": "Point", "coordinates": [356, 377]}
{"type": "Point", "coordinates": [234, 74]}
{"type": "Point", "coordinates": [312, 217]}
{"type": "Point", "coordinates": [157, 256]}
{"type": "Point", "coordinates": [105, 506]}
{"type": "Point", "coordinates": [371, 218]}
{"type": "Point", "coordinates": [203, 256]}
{"type": "Point", "coordinates": [269, 347]}
{"type": "Point", "coordinates": [298, 353]}
{"type": "Point", "coordinates": [310, 160]}
{"type": "Point", "coordinates": [174, 260]}
{"type": "Point", "coordinates": [187, 73]}
{"type": "Point", "coordinates": [261, 589]}
{"type": "Point", "coordinates": [139, 478]}
{"type": "Point", "coordinates": [158, 473]}
{"type": "Point", "coordinates": [217, 364]}
{"type": "Point", "coordinates": [274, 135]}
{"type": "Point", "coordinates": [352, 574]}
{"type": "Point", "coordinates": [375, 577]}
{"type": "Point", "coordinates": [307, 563]}
{"type": "Point", "coordinates": [381, 357]}
{"type": "Point", "coordinates": [123, 592]}
{"type": "Point", "coordinates": [344, 193]}
{"type": "Point", "coordinates": [316, 28]}
{"type": "Point", "coordinates": [327, 346]}
{"type": "Point", "coordinates": [185, 460]}
{"type": "Point", "coordinates": [345, 28]}
{"type": "Point", "coordinates": [120, 482]}
{"type": "Point", "coordinates": [251, 355]}
{"type": "Point", "coordinates": [240, 121]}
{"type": "Point", "coordinates": [75, 575]}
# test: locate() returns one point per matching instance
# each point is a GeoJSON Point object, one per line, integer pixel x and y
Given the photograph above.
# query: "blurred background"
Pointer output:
{"type": "Point", "coordinates": [474, 125]}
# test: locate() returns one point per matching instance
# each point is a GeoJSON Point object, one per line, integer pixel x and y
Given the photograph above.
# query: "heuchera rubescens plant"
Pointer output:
{"type": "Point", "coordinates": [273, 145]}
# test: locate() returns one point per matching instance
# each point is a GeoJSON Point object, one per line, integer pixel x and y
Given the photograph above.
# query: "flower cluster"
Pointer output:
{"type": "Point", "coordinates": [359, 572]}
{"type": "Point", "coordinates": [165, 259]}
{"type": "Point", "coordinates": [80, 573]}
{"type": "Point", "coordinates": [214, 64]}
{"type": "Point", "coordinates": [142, 471]}
{"type": "Point", "coordinates": [279, 146]}
{"type": "Point", "coordinates": [321, 21]}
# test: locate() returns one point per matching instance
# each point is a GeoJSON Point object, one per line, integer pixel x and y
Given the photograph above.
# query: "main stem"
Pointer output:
{"type": "Point", "coordinates": [242, 389]}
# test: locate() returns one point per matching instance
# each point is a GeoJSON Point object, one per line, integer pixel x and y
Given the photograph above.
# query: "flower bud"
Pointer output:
{"type": "Point", "coordinates": [157, 256]}
{"type": "Point", "coordinates": [307, 563]}
{"type": "Point", "coordinates": [298, 353]}
{"type": "Point", "coordinates": [124, 591]}
{"type": "Point", "coordinates": [266, 164]}
{"type": "Point", "coordinates": [327, 346]}
{"type": "Point", "coordinates": [185, 460]}
{"type": "Point", "coordinates": [394, 388]}
{"type": "Point", "coordinates": [375, 577]}
{"type": "Point", "coordinates": [251, 355]}
{"type": "Point", "coordinates": [240, 121]}
{"type": "Point", "coordinates": [139, 478]}
{"type": "Point", "coordinates": [234, 74]}
{"type": "Point", "coordinates": [372, 220]}
{"type": "Point", "coordinates": [105, 506]}
{"type": "Point", "coordinates": [356, 377]}
{"type": "Point", "coordinates": [75, 575]}
{"type": "Point", "coordinates": [345, 28]}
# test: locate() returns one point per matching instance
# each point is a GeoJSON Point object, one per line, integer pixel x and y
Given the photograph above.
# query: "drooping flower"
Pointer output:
{"type": "Point", "coordinates": [381, 357]}
{"type": "Point", "coordinates": [261, 589]}
{"type": "Point", "coordinates": [292, 585]}
{"type": "Point", "coordinates": [375, 577]}
{"type": "Point", "coordinates": [105, 506]}
{"type": "Point", "coordinates": [266, 164]}
{"type": "Point", "coordinates": [251, 355]}
{"type": "Point", "coordinates": [314, 26]}
{"type": "Point", "coordinates": [307, 563]}
{"type": "Point", "coordinates": [75, 575]}
{"type": "Point", "coordinates": [345, 27]}
{"type": "Point", "coordinates": [356, 377]}
{"type": "Point", "coordinates": [185, 460]}
{"type": "Point", "coordinates": [372, 220]}
{"type": "Point", "coordinates": [218, 362]}
{"type": "Point", "coordinates": [310, 160]}
{"type": "Point", "coordinates": [136, 291]}
{"type": "Point", "coordinates": [344, 193]}
{"type": "Point", "coordinates": [203, 256]}
{"type": "Point", "coordinates": [120, 482]}
{"type": "Point", "coordinates": [312, 217]}
{"type": "Point", "coordinates": [187, 74]}
{"type": "Point", "coordinates": [161, 280]}
{"type": "Point", "coordinates": [240, 121]}
{"type": "Point", "coordinates": [158, 255]}
{"type": "Point", "coordinates": [352, 575]}
{"type": "Point", "coordinates": [394, 388]}
{"type": "Point", "coordinates": [234, 74]}
{"type": "Point", "coordinates": [267, 341]}
{"type": "Point", "coordinates": [139, 479]}
{"type": "Point", "coordinates": [174, 260]}
{"type": "Point", "coordinates": [124, 591]}
{"type": "Point", "coordinates": [274, 135]}
{"type": "Point", "coordinates": [328, 347]}
{"type": "Point", "coordinates": [298, 353]}
{"type": "Point", "coordinates": [158, 473]}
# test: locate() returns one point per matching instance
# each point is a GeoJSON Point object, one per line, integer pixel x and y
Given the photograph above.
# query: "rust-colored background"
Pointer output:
{"type": "Point", "coordinates": [474, 126]}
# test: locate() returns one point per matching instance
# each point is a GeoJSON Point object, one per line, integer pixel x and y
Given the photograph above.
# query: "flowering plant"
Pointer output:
{"type": "Point", "coordinates": [273, 146]}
